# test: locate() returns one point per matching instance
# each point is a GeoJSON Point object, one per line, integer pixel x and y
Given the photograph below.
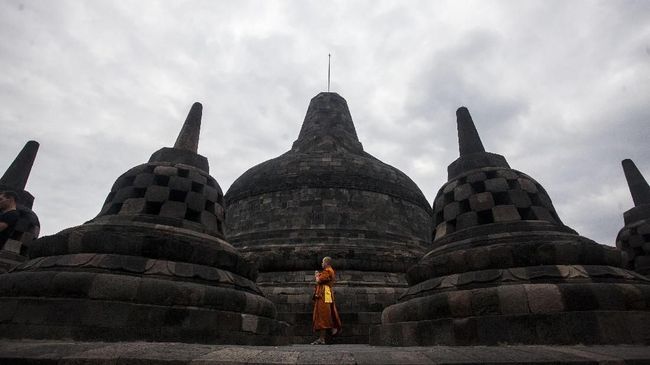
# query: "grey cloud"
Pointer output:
{"type": "Point", "coordinates": [559, 88]}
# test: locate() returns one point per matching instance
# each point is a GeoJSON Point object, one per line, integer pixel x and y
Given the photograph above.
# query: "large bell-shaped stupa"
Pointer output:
{"type": "Point", "coordinates": [28, 226]}
{"type": "Point", "coordinates": [153, 265]}
{"type": "Point", "coordinates": [328, 197]}
{"type": "Point", "coordinates": [503, 268]}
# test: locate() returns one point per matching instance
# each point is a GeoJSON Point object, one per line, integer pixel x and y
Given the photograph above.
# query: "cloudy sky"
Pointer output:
{"type": "Point", "coordinates": [562, 89]}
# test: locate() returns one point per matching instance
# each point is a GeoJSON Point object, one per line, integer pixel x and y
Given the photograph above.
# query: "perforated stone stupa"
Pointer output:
{"type": "Point", "coordinates": [504, 269]}
{"type": "Point", "coordinates": [328, 197]}
{"type": "Point", "coordinates": [153, 265]}
{"type": "Point", "coordinates": [27, 227]}
{"type": "Point", "coordinates": [634, 237]}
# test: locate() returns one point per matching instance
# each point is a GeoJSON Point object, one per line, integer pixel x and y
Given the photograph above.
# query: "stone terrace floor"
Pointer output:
{"type": "Point", "coordinates": [68, 353]}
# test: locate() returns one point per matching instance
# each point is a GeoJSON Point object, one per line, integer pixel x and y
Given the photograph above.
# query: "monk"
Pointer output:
{"type": "Point", "coordinates": [325, 316]}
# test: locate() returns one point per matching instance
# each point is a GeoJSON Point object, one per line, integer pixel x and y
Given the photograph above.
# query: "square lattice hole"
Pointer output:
{"type": "Point", "coordinates": [183, 172]}
{"type": "Point", "coordinates": [526, 214]}
{"type": "Point", "coordinates": [478, 186]}
{"type": "Point", "coordinates": [192, 215]}
{"type": "Point", "coordinates": [197, 188]}
{"type": "Point", "coordinates": [485, 217]}
{"type": "Point", "coordinates": [161, 180]}
{"type": "Point", "coordinates": [152, 208]}
{"type": "Point", "coordinates": [177, 195]}
{"type": "Point", "coordinates": [501, 198]}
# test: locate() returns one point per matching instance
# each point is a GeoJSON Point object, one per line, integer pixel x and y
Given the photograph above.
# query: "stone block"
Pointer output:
{"type": "Point", "coordinates": [512, 299]}
{"type": "Point", "coordinates": [249, 323]}
{"type": "Point", "coordinates": [481, 201]}
{"type": "Point", "coordinates": [644, 228]}
{"type": "Point", "coordinates": [451, 211]}
{"type": "Point", "coordinates": [439, 203]}
{"type": "Point", "coordinates": [209, 220]}
{"type": "Point", "coordinates": [527, 185]}
{"type": "Point", "coordinates": [542, 213]}
{"type": "Point", "coordinates": [460, 303]}
{"type": "Point", "coordinates": [519, 198]}
{"type": "Point", "coordinates": [507, 174]}
{"type": "Point", "coordinates": [211, 193]}
{"type": "Point", "coordinates": [104, 287]}
{"type": "Point", "coordinates": [450, 186]}
{"type": "Point", "coordinates": [143, 180]}
{"type": "Point", "coordinates": [196, 176]}
{"type": "Point", "coordinates": [477, 176]}
{"type": "Point", "coordinates": [466, 220]}
{"type": "Point", "coordinates": [125, 193]}
{"type": "Point", "coordinates": [173, 209]}
{"type": "Point", "coordinates": [157, 193]}
{"type": "Point", "coordinates": [166, 171]}
{"type": "Point", "coordinates": [133, 206]}
{"type": "Point", "coordinates": [180, 183]}
{"type": "Point", "coordinates": [462, 192]}
{"type": "Point", "coordinates": [12, 246]}
{"type": "Point", "coordinates": [544, 298]}
{"type": "Point", "coordinates": [443, 229]}
{"type": "Point", "coordinates": [219, 212]}
{"type": "Point", "coordinates": [496, 185]}
{"type": "Point", "coordinates": [505, 213]}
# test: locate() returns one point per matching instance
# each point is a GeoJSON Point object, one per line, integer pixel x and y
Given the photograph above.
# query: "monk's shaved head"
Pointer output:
{"type": "Point", "coordinates": [327, 259]}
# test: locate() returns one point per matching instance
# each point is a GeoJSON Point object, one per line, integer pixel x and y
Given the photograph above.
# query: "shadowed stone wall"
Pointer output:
{"type": "Point", "coordinates": [328, 197]}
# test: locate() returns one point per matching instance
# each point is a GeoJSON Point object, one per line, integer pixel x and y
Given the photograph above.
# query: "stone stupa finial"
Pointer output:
{"type": "Point", "coordinates": [639, 187]}
{"type": "Point", "coordinates": [188, 138]}
{"type": "Point", "coordinates": [18, 172]}
{"type": "Point", "coordinates": [328, 125]}
{"type": "Point", "coordinates": [185, 149]}
{"type": "Point", "coordinates": [472, 153]}
{"type": "Point", "coordinates": [468, 139]}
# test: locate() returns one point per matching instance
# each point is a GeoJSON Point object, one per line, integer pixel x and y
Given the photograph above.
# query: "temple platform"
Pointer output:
{"type": "Point", "coordinates": [90, 353]}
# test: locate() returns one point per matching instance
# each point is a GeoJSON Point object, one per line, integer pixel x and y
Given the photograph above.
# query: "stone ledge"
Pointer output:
{"type": "Point", "coordinates": [100, 353]}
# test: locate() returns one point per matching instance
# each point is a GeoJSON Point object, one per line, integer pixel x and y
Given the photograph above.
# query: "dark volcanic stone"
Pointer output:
{"type": "Point", "coordinates": [508, 271]}
{"type": "Point", "coordinates": [328, 197]}
{"type": "Point", "coordinates": [153, 265]}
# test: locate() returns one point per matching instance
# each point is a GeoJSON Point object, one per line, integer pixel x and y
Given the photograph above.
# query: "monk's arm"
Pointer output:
{"type": "Point", "coordinates": [324, 277]}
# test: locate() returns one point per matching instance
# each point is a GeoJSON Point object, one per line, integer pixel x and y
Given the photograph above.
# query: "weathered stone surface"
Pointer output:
{"type": "Point", "coordinates": [153, 265]}
{"type": "Point", "coordinates": [504, 270]}
{"type": "Point", "coordinates": [27, 228]}
{"type": "Point", "coordinates": [505, 213]}
{"type": "Point", "coordinates": [634, 237]}
{"type": "Point", "coordinates": [481, 201]}
{"type": "Point", "coordinates": [328, 197]}
{"type": "Point", "coordinates": [67, 353]}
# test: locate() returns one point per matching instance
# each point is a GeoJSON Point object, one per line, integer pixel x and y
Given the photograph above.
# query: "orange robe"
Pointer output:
{"type": "Point", "coordinates": [325, 314]}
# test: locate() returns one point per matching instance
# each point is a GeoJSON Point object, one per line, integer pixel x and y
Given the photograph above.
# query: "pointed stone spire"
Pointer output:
{"type": "Point", "coordinates": [472, 153]}
{"type": "Point", "coordinates": [188, 138]}
{"type": "Point", "coordinates": [638, 185]}
{"type": "Point", "coordinates": [185, 149]}
{"type": "Point", "coordinates": [468, 138]}
{"type": "Point", "coordinates": [18, 172]}
{"type": "Point", "coordinates": [328, 121]}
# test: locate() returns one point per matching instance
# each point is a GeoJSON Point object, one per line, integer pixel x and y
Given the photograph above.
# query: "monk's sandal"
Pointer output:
{"type": "Point", "coordinates": [318, 342]}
